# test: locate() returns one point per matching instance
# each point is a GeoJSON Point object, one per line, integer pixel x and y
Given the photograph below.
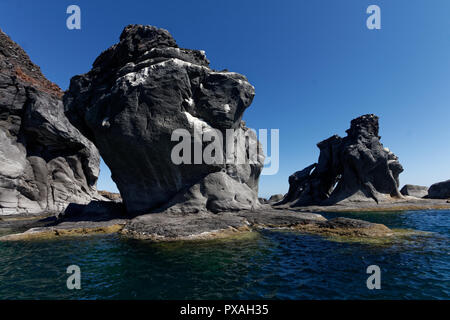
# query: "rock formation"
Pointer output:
{"type": "Point", "coordinates": [272, 199]}
{"type": "Point", "coordinates": [107, 218]}
{"type": "Point", "coordinates": [138, 92]}
{"type": "Point", "coordinates": [275, 198]}
{"type": "Point", "coordinates": [414, 191]}
{"type": "Point", "coordinates": [111, 196]}
{"type": "Point", "coordinates": [354, 168]}
{"type": "Point", "coordinates": [440, 190]}
{"type": "Point", "coordinates": [45, 162]}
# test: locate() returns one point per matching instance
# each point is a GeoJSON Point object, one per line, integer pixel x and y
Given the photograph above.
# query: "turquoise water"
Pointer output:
{"type": "Point", "coordinates": [271, 265]}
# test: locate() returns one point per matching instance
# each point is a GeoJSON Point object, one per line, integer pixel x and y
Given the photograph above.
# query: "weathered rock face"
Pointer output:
{"type": "Point", "coordinates": [354, 168]}
{"type": "Point", "coordinates": [440, 190]}
{"type": "Point", "coordinates": [45, 162]}
{"type": "Point", "coordinates": [272, 199]}
{"type": "Point", "coordinates": [275, 198]}
{"type": "Point", "coordinates": [414, 191]}
{"type": "Point", "coordinates": [137, 93]}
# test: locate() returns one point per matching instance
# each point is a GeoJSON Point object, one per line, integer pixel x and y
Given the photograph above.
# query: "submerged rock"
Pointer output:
{"type": "Point", "coordinates": [46, 163]}
{"type": "Point", "coordinates": [414, 191]}
{"type": "Point", "coordinates": [354, 168]}
{"type": "Point", "coordinates": [440, 190]}
{"type": "Point", "coordinates": [138, 92]}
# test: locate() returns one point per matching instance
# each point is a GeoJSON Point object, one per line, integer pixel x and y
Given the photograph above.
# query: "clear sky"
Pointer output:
{"type": "Point", "coordinates": [314, 64]}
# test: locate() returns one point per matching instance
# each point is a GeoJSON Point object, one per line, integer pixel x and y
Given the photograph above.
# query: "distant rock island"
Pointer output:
{"type": "Point", "coordinates": [126, 108]}
{"type": "Point", "coordinates": [355, 168]}
{"type": "Point", "coordinates": [357, 173]}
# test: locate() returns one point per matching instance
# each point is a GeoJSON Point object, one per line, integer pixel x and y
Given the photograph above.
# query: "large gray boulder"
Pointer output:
{"type": "Point", "coordinates": [275, 198]}
{"type": "Point", "coordinates": [138, 92]}
{"type": "Point", "coordinates": [354, 168]}
{"type": "Point", "coordinates": [440, 190]}
{"type": "Point", "coordinates": [46, 163]}
{"type": "Point", "coordinates": [414, 191]}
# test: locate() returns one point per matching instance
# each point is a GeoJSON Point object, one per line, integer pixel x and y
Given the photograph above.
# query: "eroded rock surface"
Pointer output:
{"type": "Point", "coordinates": [356, 168]}
{"type": "Point", "coordinates": [46, 163]}
{"type": "Point", "coordinates": [137, 93]}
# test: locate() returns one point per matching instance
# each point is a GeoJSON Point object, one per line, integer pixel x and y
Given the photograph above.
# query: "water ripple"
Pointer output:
{"type": "Point", "coordinates": [274, 265]}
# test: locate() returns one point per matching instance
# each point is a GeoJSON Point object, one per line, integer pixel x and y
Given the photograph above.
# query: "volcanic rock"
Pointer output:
{"type": "Point", "coordinates": [440, 190]}
{"type": "Point", "coordinates": [111, 196]}
{"type": "Point", "coordinates": [137, 94]}
{"type": "Point", "coordinates": [201, 226]}
{"type": "Point", "coordinates": [272, 199]}
{"type": "Point", "coordinates": [354, 168]}
{"type": "Point", "coordinates": [414, 191]}
{"type": "Point", "coordinates": [275, 198]}
{"type": "Point", "coordinates": [46, 163]}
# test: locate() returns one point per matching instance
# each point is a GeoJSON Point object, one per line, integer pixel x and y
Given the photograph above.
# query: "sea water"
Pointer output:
{"type": "Point", "coordinates": [267, 265]}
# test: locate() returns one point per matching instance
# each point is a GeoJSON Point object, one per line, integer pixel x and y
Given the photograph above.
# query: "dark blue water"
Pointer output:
{"type": "Point", "coordinates": [271, 265]}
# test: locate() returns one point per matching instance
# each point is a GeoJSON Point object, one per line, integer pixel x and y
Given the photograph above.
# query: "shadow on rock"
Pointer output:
{"type": "Point", "coordinates": [95, 211]}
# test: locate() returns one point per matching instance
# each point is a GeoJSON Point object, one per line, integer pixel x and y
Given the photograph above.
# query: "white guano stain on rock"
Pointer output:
{"type": "Point", "coordinates": [190, 102]}
{"type": "Point", "coordinates": [198, 124]}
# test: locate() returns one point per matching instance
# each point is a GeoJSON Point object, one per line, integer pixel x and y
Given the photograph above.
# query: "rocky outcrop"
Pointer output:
{"type": "Point", "coordinates": [45, 161]}
{"type": "Point", "coordinates": [440, 190]}
{"type": "Point", "coordinates": [351, 169]}
{"type": "Point", "coordinates": [111, 196]}
{"type": "Point", "coordinates": [414, 191]}
{"type": "Point", "coordinates": [138, 92]}
{"type": "Point", "coordinates": [396, 205]}
{"type": "Point", "coordinates": [272, 199]}
{"type": "Point", "coordinates": [275, 198]}
{"type": "Point", "coordinates": [201, 226]}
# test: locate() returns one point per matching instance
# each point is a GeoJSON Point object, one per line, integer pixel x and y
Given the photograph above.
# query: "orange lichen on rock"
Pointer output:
{"type": "Point", "coordinates": [16, 62]}
{"type": "Point", "coordinates": [41, 84]}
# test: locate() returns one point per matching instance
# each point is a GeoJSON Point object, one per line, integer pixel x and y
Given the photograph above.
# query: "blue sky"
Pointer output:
{"type": "Point", "coordinates": [314, 64]}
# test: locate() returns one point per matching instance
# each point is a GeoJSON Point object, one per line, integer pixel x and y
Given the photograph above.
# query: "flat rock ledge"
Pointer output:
{"type": "Point", "coordinates": [405, 203]}
{"type": "Point", "coordinates": [78, 229]}
{"type": "Point", "coordinates": [164, 227]}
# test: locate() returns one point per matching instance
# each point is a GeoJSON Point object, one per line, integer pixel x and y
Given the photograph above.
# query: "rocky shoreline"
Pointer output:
{"type": "Point", "coordinates": [395, 205]}
{"type": "Point", "coordinates": [109, 218]}
{"type": "Point", "coordinates": [126, 110]}
{"type": "Point", "coordinates": [204, 226]}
